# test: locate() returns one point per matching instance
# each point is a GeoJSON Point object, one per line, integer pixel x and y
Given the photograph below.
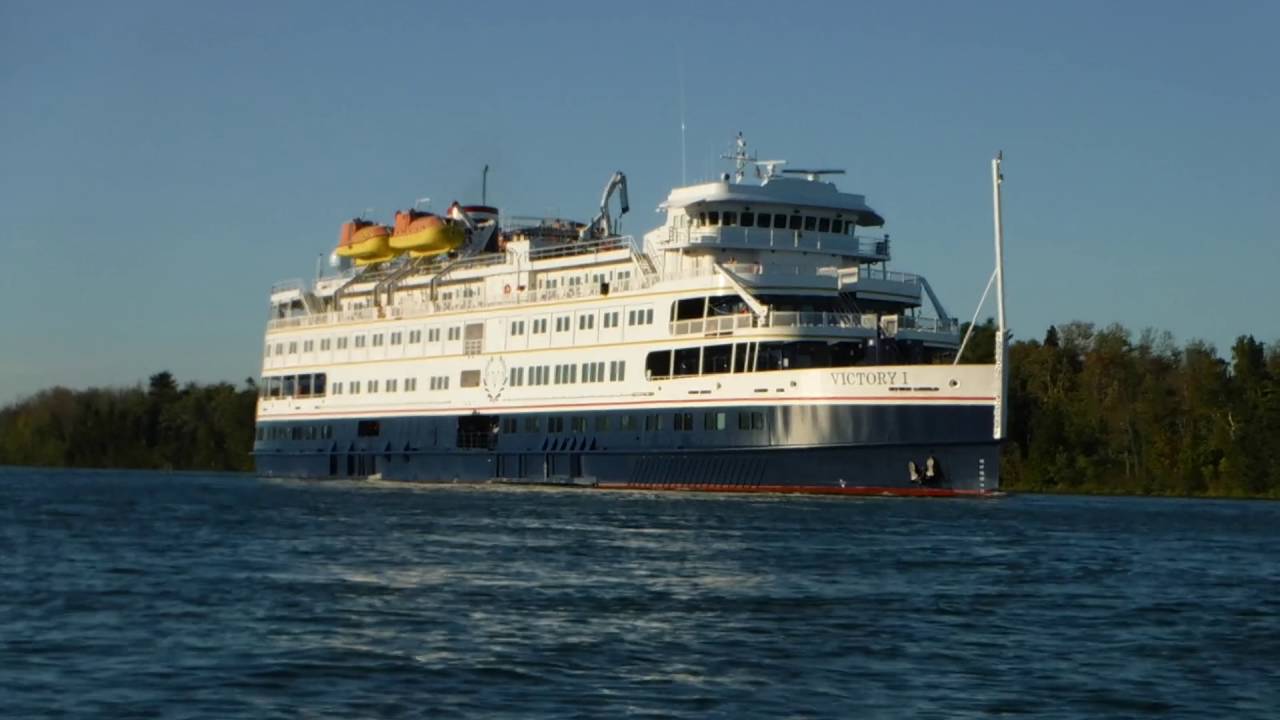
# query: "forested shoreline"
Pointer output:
{"type": "Point", "coordinates": [1091, 410]}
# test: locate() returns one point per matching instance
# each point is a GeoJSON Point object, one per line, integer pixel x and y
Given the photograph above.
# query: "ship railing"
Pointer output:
{"type": "Point", "coordinates": [854, 274]}
{"type": "Point", "coordinates": [812, 319]}
{"type": "Point", "coordinates": [753, 270]}
{"type": "Point", "coordinates": [415, 302]}
{"type": "Point", "coordinates": [725, 324]}
{"type": "Point", "coordinates": [782, 238]}
{"type": "Point", "coordinates": [589, 247]}
{"type": "Point", "coordinates": [287, 285]}
{"type": "Point", "coordinates": [929, 324]}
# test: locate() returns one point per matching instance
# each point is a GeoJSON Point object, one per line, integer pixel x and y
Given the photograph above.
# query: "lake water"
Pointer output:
{"type": "Point", "coordinates": [213, 596]}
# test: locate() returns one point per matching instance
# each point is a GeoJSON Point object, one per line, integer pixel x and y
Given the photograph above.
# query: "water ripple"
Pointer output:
{"type": "Point", "coordinates": [208, 596]}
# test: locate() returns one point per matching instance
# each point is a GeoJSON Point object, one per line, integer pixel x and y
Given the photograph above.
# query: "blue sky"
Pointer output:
{"type": "Point", "coordinates": [164, 163]}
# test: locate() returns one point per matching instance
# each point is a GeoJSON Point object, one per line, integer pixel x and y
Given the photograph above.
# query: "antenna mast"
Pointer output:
{"type": "Point", "coordinates": [484, 186]}
{"type": "Point", "coordinates": [740, 158]}
{"type": "Point", "coordinates": [684, 155]}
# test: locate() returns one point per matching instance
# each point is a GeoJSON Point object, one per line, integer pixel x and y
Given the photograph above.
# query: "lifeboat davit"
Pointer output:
{"type": "Point", "coordinates": [425, 234]}
{"type": "Point", "coordinates": [365, 242]}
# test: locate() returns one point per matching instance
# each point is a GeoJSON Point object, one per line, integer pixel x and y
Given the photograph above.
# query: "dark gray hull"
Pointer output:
{"type": "Point", "coordinates": [819, 449]}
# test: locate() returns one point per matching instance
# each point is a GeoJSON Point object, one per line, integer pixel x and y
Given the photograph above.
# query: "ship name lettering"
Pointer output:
{"type": "Point", "coordinates": [860, 378]}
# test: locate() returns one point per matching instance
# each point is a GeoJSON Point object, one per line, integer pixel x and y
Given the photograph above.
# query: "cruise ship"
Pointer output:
{"type": "Point", "coordinates": [756, 341]}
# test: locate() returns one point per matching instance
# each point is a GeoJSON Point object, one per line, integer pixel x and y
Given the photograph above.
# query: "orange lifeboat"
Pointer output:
{"type": "Point", "coordinates": [425, 234]}
{"type": "Point", "coordinates": [365, 242]}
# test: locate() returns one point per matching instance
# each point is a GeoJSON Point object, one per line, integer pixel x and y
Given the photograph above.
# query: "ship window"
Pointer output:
{"type": "Point", "coordinates": [273, 387]}
{"type": "Point", "coordinates": [304, 386]}
{"type": "Point", "coordinates": [268, 351]}
{"type": "Point", "coordinates": [469, 378]}
{"type": "Point", "coordinates": [391, 385]}
{"type": "Point", "coordinates": [682, 421]}
{"type": "Point", "coordinates": [748, 219]}
{"type": "Point", "coordinates": [810, 222]}
{"type": "Point", "coordinates": [757, 421]}
{"type": "Point", "coordinates": [658, 364]}
{"type": "Point", "coordinates": [627, 422]}
{"type": "Point", "coordinates": [373, 386]}
{"type": "Point", "coordinates": [555, 424]}
{"type": "Point", "coordinates": [685, 362]}
{"type": "Point", "coordinates": [780, 221]}
{"type": "Point", "coordinates": [578, 424]}
{"type": "Point", "coordinates": [702, 219]}
{"type": "Point", "coordinates": [824, 224]}
{"type": "Point", "coordinates": [377, 339]}
{"type": "Point", "coordinates": [769, 357]}
{"type": "Point", "coordinates": [837, 226]}
{"type": "Point", "coordinates": [713, 217]}
{"type": "Point", "coordinates": [730, 218]}
{"type": "Point", "coordinates": [533, 424]}
{"type": "Point", "coordinates": [368, 428]}
{"type": "Point", "coordinates": [293, 348]}
{"type": "Point", "coordinates": [689, 309]}
{"type": "Point", "coordinates": [455, 333]}
{"type": "Point", "coordinates": [617, 370]}
{"type": "Point", "coordinates": [287, 389]}
{"type": "Point", "coordinates": [716, 359]}
{"type": "Point", "coordinates": [602, 423]}
{"type": "Point", "coordinates": [795, 221]}
{"type": "Point", "coordinates": [355, 387]}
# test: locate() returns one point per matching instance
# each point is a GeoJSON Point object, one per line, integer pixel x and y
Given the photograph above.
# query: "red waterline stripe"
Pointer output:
{"type": "Point", "coordinates": [805, 490]}
{"type": "Point", "coordinates": [569, 407]}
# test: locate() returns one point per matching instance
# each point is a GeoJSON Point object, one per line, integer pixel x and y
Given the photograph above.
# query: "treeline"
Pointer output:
{"type": "Point", "coordinates": [193, 427]}
{"type": "Point", "coordinates": [1090, 410]}
{"type": "Point", "coordinates": [1098, 411]}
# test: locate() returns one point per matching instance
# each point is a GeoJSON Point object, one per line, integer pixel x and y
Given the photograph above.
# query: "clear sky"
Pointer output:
{"type": "Point", "coordinates": [161, 164]}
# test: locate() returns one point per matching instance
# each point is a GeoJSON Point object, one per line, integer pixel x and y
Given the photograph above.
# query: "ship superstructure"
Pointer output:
{"type": "Point", "coordinates": [756, 340]}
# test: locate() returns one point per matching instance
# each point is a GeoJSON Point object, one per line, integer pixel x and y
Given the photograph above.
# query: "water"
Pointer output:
{"type": "Point", "coordinates": [180, 595]}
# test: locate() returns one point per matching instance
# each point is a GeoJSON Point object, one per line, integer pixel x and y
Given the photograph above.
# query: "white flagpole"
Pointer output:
{"type": "Point", "coordinates": [1001, 412]}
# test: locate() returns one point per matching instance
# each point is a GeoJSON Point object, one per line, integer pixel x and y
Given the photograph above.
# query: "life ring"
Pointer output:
{"type": "Point", "coordinates": [506, 289]}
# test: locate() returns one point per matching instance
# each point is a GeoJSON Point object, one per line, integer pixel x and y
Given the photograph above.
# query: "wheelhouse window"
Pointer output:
{"type": "Point", "coordinates": [780, 221]}
{"type": "Point", "coordinates": [748, 219]}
